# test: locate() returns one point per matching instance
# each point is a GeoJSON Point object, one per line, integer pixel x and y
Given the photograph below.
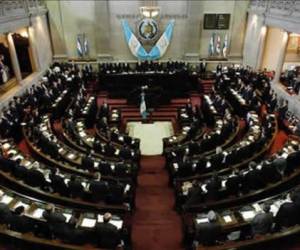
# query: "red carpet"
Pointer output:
{"type": "Point", "coordinates": [155, 224]}
{"type": "Point", "coordinates": [279, 142]}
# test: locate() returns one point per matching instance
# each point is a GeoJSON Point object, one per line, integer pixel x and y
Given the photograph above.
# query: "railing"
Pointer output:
{"type": "Point", "coordinates": [289, 8]}
{"type": "Point", "coordinates": [20, 7]}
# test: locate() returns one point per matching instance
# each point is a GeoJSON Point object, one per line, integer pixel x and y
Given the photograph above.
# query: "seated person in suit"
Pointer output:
{"type": "Point", "coordinates": [262, 221]}
{"type": "Point", "coordinates": [213, 186]}
{"type": "Point", "coordinates": [58, 183]}
{"type": "Point", "coordinates": [234, 183]}
{"type": "Point", "coordinates": [75, 187]}
{"type": "Point", "coordinates": [107, 234]}
{"type": "Point", "coordinates": [18, 221]}
{"type": "Point", "coordinates": [98, 188]}
{"type": "Point", "coordinates": [109, 149]}
{"type": "Point", "coordinates": [208, 233]}
{"type": "Point", "coordinates": [116, 193]}
{"type": "Point", "coordinates": [73, 234]}
{"type": "Point", "coordinates": [125, 152]}
{"type": "Point", "coordinates": [87, 162]}
{"type": "Point", "coordinates": [253, 179]}
{"type": "Point", "coordinates": [288, 214]}
{"type": "Point", "coordinates": [270, 172]}
{"type": "Point", "coordinates": [5, 213]}
{"type": "Point", "coordinates": [55, 221]}
{"type": "Point", "coordinates": [19, 171]}
{"type": "Point", "coordinates": [35, 178]}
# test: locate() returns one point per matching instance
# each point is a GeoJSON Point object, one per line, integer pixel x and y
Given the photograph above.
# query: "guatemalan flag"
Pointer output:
{"type": "Point", "coordinates": [225, 46]}
{"type": "Point", "coordinates": [79, 47]}
{"type": "Point", "coordinates": [86, 46]}
{"type": "Point", "coordinates": [211, 48]}
{"type": "Point", "coordinates": [218, 46]}
{"type": "Point", "coordinates": [143, 108]}
{"type": "Point", "coordinates": [162, 44]}
{"type": "Point", "coordinates": [134, 45]}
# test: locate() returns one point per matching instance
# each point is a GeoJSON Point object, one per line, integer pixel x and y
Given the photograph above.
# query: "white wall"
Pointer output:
{"type": "Point", "coordinates": [254, 41]}
{"type": "Point", "coordinates": [101, 21]}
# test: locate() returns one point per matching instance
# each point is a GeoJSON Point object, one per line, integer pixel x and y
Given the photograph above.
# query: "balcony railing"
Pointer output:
{"type": "Point", "coordinates": [287, 8]}
{"type": "Point", "coordinates": [9, 8]}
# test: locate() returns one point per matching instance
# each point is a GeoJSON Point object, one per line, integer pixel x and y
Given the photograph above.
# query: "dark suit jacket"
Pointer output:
{"type": "Point", "coordinates": [208, 233]}
{"type": "Point", "coordinates": [5, 213]}
{"type": "Point", "coordinates": [75, 188]}
{"type": "Point", "coordinates": [99, 190]}
{"type": "Point", "coordinates": [107, 235]}
{"type": "Point", "coordinates": [287, 215]}
{"type": "Point", "coordinates": [233, 184]}
{"type": "Point", "coordinates": [58, 184]}
{"type": "Point", "coordinates": [262, 223]}
{"type": "Point", "coordinates": [35, 178]}
{"type": "Point", "coordinates": [20, 224]}
{"type": "Point", "coordinates": [253, 180]}
{"type": "Point", "coordinates": [87, 163]}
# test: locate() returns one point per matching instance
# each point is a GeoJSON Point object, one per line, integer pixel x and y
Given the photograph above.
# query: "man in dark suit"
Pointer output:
{"type": "Point", "coordinates": [109, 149]}
{"type": "Point", "coordinates": [233, 183]}
{"type": "Point", "coordinates": [98, 188]}
{"type": "Point", "coordinates": [287, 215]}
{"type": "Point", "coordinates": [87, 162]}
{"type": "Point", "coordinates": [262, 222]}
{"type": "Point", "coordinates": [207, 233]}
{"type": "Point", "coordinates": [253, 179]}
{"type": "Point", "coordinates": [270, 173]}
{"type": "Point", "coordinates": [58, 183]}
{"type": "Point", "coordinates": [213, 186]}
{"type": "Point", "coordinates": [75, 187]}
{"type": "Point", "coordinates": [19, 222]}
{"type": "Point", "coordinates": [125, 152]}
{"type": "Point", "coordinates": [5, 213]}
{"type": "Point", "coordinates": [116, 193]}
{"type": "Point", "coordinates": [35, 178]}
{"type": "Point", "coordinates": [107, 234]}
{"type": "Point", "coordinates": [56, 220]}
{"type": "Point", "coordinates": [105, 168]}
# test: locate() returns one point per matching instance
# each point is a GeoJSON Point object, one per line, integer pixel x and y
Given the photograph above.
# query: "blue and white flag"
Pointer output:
{"type": "Point", "coordinates": [79, 47]}
{"type": "Point", "coordinates": [211, 48]}
{"type": "Point", "coordinates": [134, 45]}
{"type": "Point", "coordinates": [162, 44]}
{"type": "Point", "coordinates": [86, 46]}
{"type": "Point", "coordinates": [225, 46]}
{"type": "Point", "coordinates": [143, 108]}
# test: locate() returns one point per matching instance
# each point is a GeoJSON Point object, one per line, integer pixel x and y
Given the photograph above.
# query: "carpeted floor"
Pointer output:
{"type": "Point", "coordinates": [151, 135]}
{"type": "Point", "coordinates": [155, 223]}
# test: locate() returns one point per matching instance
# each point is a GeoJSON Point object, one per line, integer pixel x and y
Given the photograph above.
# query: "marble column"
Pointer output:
{"type": "Point", "coordinates": [32, 39]}
{"type": "Point", "coordinates": [281, 57]}
{"type": "Point", "coordinates": [14, 58]}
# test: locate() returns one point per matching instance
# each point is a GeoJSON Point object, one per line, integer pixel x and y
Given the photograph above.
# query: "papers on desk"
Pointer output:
{"type": "Point", "coordinates": [86, 222]}
{"type": "Point", "coordinates": [121, 138]}
{"type": "Point", "coordinates": [12, 151]}
{"type": "Point", "coordinates": [112, 166]}
{"type": "Point", "coordinates": [126, 189]}
{"type": "Point", "coordinates": [60, 150]}
{"type": "Point", "coordinates": [6, 199]}
{"type": "Point", "coordinates": [285, 155]}
{"type": "Point", "coordinates": [223, 183]}
{"type": "Point", "coordinates": [175, 165]}
{"type": "Point", "coordinates": [117, 151]}
{"type": "Point", "coordinates": [38, 213]}
{"type": "Point", "coordinates": [16, 157]}
{"type": "Point", "coordinates": [202, 220]}
{"type": "Point", "coordinates": [71, 156]}
{"type": "Point", "coordinates": [248, 215]}
{"type": "Point", "coordinates": [68, 216]}
{"type": "Point", "coordinates": [96, 164]}
{"type": "Point", "coordinates": [82, 134]}
{"type": "Point", "coordinates": [227, 219]}
{"type": "Point", "coordinates": [257, 207]}
{"type": "Point", "coordinates": [20, 203]}
{"type": "Point", "coordinates": [203, 187]}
